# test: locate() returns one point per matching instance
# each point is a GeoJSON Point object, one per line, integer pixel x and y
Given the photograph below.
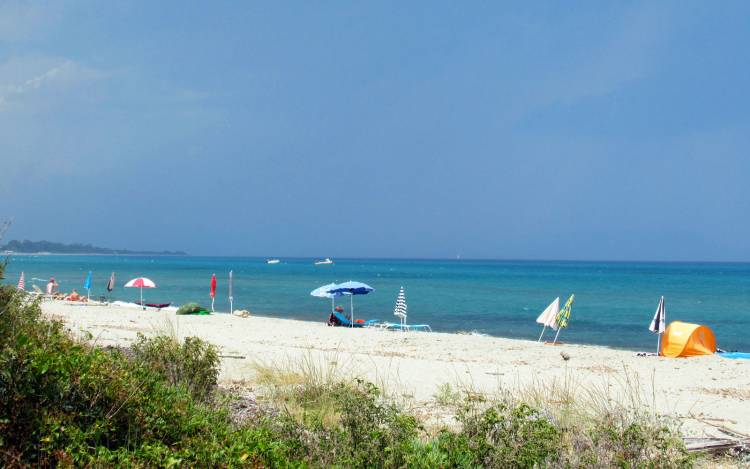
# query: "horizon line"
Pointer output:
{"type": "Point", "coordinates": [376, 258]}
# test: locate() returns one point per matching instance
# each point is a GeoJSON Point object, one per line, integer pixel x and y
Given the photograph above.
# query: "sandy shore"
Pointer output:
{"type": "Point", "coordinates": [703, 391]}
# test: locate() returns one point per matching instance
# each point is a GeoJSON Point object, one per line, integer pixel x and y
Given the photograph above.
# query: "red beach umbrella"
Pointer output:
{"type": "Point", "coordinates": [141, 282]}
{"type": "Point", "coordinates": [213, 290]}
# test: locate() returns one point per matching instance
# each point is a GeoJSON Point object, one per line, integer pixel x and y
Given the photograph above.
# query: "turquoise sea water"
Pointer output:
{"type": "Point", "coordinates": [614, 301]}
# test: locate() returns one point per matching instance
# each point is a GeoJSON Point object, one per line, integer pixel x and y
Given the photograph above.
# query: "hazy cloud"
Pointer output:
{"type": "Point", "coordinates": [57, 73]}
{"type": "Point", "coordinates": [627, 52]}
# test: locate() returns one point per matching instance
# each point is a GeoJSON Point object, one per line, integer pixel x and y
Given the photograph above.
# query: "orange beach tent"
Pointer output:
{"type": "Point", "coordinates": [682, 339]}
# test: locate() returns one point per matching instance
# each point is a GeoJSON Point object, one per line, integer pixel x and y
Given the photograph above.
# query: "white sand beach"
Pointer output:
{"type": "Point", "coordinates": [704, 392]}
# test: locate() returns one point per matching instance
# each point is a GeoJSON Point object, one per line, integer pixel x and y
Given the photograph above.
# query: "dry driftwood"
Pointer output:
{"type": "Point", "coordinates": [716, 445]}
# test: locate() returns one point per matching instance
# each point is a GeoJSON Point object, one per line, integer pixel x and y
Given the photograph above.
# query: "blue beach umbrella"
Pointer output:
{"type": "Point", "coordinates": [87, 285]}
{"type": "Point", "coordinates": [323, 292]}
{"type": "Point", "coordinates": [352, 288]}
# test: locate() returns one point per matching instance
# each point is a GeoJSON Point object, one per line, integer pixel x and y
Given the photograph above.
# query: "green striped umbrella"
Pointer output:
{"type": "Point", "coordinates": [563, 317]}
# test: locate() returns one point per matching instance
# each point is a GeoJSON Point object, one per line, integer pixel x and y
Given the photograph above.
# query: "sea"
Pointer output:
{"type": "Point", "coordinates": [614, 301]}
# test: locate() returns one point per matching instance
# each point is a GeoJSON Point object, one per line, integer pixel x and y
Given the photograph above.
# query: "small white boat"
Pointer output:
{"type": "Point", "coordinates": [272, 261]}
{"type": "Point", "coordinates": [325, 261]}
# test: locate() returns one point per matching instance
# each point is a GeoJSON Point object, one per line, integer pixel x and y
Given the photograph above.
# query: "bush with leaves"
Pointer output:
{"type": "Point", "coordinates": [194, 364]}
{"type": "Point", "coordinates": [628, 440]}
{"type": "Point", "coordinates": [503, 435]}
{"type": "Point", "coordinates": [64, 402]}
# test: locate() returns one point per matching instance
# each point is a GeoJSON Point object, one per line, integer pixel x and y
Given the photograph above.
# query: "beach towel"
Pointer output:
{"type": "Point", "coordinates": [741, 355]}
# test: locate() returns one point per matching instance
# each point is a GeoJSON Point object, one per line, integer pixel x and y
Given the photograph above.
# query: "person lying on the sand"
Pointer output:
{"type": "Point", "coordinates": [74, 296]}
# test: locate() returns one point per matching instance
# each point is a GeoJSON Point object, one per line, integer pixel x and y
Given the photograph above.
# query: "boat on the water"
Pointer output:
{"type": "Point", "coordinates": [272, 261]}
{"type": "Point", "coordinates": [325, 261]}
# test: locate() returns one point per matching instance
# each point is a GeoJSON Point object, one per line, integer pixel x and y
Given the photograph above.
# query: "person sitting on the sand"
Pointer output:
{"type": "Point", "coordinates": [52, 287]}
{"type": "Point", "coordinates": [332, 319]}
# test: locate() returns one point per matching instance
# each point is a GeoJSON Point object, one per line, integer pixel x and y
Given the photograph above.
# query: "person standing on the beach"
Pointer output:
{"type": "Point", "coordinates": [52, 287]}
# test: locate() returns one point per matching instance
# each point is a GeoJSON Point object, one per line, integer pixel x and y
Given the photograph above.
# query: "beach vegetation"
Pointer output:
{"type": "Point", "coordinates": [505, 434]}
{"type": "Point", "coordinates": [65, 402]}
{"type": "Point", "coordinates": [192, 363]}
{"type": "Point", "coordinates": [447, 395]}
{"type": "Point", "coordinates": [68, 402]}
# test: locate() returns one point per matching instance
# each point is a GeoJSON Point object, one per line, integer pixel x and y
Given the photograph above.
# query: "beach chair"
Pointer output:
{"type": "Point", "coordinates": [40, 294]}
{"type": "Point", "coordinates": [345, 322]}
{"type": "Point", "coordinates": [390, 326]}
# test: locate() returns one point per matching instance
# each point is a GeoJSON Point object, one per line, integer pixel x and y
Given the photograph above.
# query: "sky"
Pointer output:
{"type": "Point", "coordinates": [500, 130]}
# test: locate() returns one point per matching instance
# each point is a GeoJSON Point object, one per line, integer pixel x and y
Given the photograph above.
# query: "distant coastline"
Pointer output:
{"type": "Point", "coordinates": [42, 248]}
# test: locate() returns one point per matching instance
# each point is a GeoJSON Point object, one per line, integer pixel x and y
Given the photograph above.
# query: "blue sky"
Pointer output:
{"type": "Point", "coordinates": [552, 130]}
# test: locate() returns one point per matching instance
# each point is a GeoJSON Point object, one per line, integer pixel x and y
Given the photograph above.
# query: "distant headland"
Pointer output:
{"type": "Point", "coordinates": [50, 247]}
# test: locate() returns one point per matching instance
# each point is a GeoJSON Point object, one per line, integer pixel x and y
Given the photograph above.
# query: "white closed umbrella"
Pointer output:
{"type": "Point", "coordinates": [549, 316]}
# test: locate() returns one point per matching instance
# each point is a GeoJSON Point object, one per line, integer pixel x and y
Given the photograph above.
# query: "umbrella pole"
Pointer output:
{"type": "Point", "coordinates": [212, 305]}
{"type": "Point", "coordinates": [558, 333]}
{"type": "Point", "coordinates": [351, 307]}
{"type": "Point", "coordinates": [540, 335]}
{"type": "Point", "coordinates": [231, 291]}
{"type": "Point", "coordinates": [658, 344]}
{"type": "Point", "coordinates": [142, 305]}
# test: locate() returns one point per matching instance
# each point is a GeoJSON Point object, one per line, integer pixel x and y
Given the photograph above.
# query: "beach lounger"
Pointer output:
{"type": "Point", "coordinates": [40, 294]}
{"type": "Point", "coordinates": [407, 327]}
{"type": "Point", "coordinates": [343, 321]}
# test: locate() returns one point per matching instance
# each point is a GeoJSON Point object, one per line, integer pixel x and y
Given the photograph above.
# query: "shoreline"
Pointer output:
{"type": "Point", "coordinates": [695, 390]}
{"type": "Point", "coordinates": [472, 333]}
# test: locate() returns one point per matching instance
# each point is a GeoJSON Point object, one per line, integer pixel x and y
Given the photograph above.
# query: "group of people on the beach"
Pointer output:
{"type": "Point", "coordinates": [53, 291]}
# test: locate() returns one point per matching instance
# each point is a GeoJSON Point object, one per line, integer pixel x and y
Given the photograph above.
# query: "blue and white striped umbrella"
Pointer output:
{"type": "Point", "coordinates": [400, 309]}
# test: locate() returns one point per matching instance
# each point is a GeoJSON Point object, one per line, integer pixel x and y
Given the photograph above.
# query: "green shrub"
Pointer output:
{"type": "Point", "coordinates": [193, 364]}
{"type": "Point", "coordinates": [503, 435]}
{"type": "Point", "coordinates": [66, 403]}
{"type": "Point", "coordinates": [191, 308]}
{"type": "Point", "coordinates": [367, 431]}
{"type": "Point", "coordinates": [630, 441]}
